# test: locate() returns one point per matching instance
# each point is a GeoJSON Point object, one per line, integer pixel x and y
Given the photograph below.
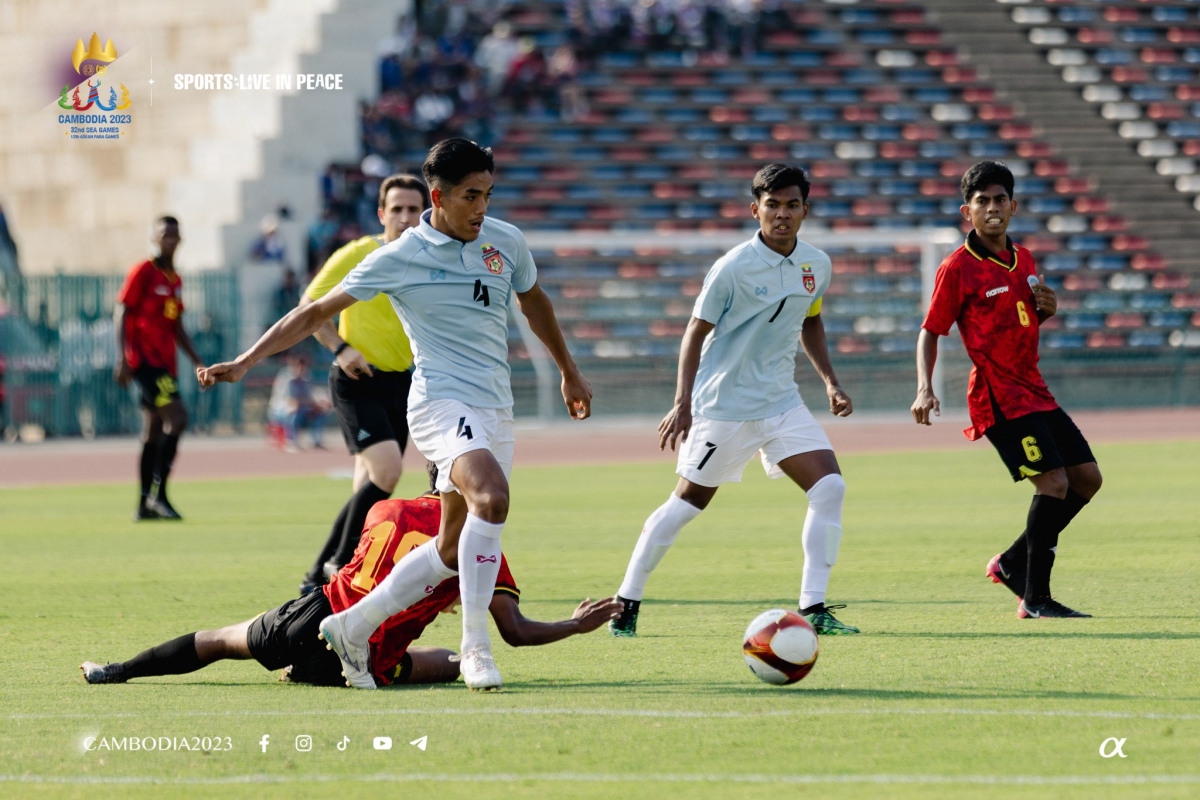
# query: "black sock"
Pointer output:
{"type": "Point", "coordinates": [813, 609]}
{"type": "Point", "coordinates": [1074, 504]}
{"type": "Point", "coordinates": [332, 543]}
{"type": "Point", "coordinates": [629, 606]}
{"type": "Point", "coordinates": [1047, 518]}
{"type": "Point", "coordinates": [146, 466]}
{"type": "Point", "coordinates": [166, 457]}
{"type": "Point", "coordinates": [175, 657]}
{"type": "Point", "coordinates": [360, 506]}
{"type": "Point", "coordinates": [1016, 557]}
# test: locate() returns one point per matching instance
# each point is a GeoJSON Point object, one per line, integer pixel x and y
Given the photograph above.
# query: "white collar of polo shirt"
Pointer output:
{"type": "Point", "coordinates": [768, 255]}
{"type": "Point", "coordinates": [431, 234]}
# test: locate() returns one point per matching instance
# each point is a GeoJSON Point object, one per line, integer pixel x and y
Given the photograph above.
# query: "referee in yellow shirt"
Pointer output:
{"type": "Point", "coordinates": [370, 378]}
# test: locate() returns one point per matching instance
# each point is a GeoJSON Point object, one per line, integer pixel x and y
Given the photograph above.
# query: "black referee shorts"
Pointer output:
{"type": "Point", "coordinates": [371, 409]}
{"type": "Point", "coordinates": [287, 636]}
{"type": "Point", "coordinates": [1037, 443]}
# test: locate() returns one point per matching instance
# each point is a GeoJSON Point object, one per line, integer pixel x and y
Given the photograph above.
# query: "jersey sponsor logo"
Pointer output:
{"type": "Point", "coordinates": [760, 291]}
{"type": "Point", "coordinates": [485, 559]}
{"type": "Point", "coordinates": [996, 291]}
{"type": "Point", "coordinates": [437, 274]}
{"type": "Point", "coordinates": [810, 280]}
{"type": "Point", "coordinates": [492, 259]}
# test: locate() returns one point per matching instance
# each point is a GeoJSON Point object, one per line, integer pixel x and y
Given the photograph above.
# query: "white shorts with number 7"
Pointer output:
{"type": "Point", "coordinates": [717, 451]}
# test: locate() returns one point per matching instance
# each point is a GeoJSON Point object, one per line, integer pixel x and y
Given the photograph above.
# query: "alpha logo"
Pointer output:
{"type": "Point", "coordinates": [810, 280]}
{"type": "Point", "coordinates": [90, 63]}
{"type": "Point", "coordinates": [464, 430]}
{"type": "Point", "coordinates": [485, 559]}
{"type": "Point", "coordinates": [760, 291]}
{"type": "Point", "coordinates": [492, 259]}
{"type": "Point", "coordinates": [996, 291]}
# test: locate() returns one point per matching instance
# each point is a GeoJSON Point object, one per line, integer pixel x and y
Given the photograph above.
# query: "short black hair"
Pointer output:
{"type": "Point", "coordinates": [985, 174]}
{"type": "Point", "coordinates": [774, 177]}
{"type": "Point", "coordinates": [403, 182]}
{"type": "Point", "coordinates": [166, 219]}
{"type": "Point", "coordinates": [450, 161]}
{"type": "Point", "coordinates": [432, 471]}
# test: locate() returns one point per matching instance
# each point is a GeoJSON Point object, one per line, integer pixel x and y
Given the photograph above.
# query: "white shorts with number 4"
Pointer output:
{"type": "Point", "coordinates": [716, 451]}
{"type": "Point", "coordinates": [445, 429]}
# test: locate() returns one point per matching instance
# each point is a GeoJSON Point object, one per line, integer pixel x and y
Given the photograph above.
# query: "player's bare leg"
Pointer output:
{"type": "Point", "coordinates": [818, 474]}
{"type": "Point", "coordinates": [178, 656]}
{"type": "Point", "coordinates": [658, 534]}
{"type": "Point", "coordinates": [473, 540]}
{"type": "Point", "coordinates": [432, 665]}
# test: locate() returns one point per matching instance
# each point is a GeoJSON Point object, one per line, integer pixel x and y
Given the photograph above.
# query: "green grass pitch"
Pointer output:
{"type": "Point", "coordinates": [944, 695]}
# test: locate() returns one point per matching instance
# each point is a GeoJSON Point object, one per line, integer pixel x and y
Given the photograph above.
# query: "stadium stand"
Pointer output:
{"type": "Point", "coordinates": [883, 112]}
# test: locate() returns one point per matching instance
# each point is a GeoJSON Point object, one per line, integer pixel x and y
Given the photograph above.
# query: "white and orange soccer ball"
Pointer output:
{"type": "Point", "coordinates": [780, 646]}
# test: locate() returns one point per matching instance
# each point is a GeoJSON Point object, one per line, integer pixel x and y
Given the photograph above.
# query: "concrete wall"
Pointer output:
{"type": "Point", "coordinates": [218, 160]}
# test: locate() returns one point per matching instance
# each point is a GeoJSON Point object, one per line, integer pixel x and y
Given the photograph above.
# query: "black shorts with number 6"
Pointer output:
{"type": "Point", "coordinates": [1039, 442]}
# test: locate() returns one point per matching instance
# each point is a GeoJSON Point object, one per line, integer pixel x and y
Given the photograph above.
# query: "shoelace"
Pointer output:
{"type": "Point", "coordinates": [838, 606]}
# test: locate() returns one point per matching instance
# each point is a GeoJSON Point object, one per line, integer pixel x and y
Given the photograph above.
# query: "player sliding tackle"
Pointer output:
{"type": "Point", "coordinates": [450, 280]}
{"type": "Point", "coordinates": [287, 638]}
{"type": "Point", "coordinates": [737, 394]}
{"type": "Point", "coordinates": [990, 288]}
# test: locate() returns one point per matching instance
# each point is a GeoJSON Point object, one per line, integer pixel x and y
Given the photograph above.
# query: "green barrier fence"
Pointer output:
{"type": "Point", "coordinates": [60, 346]}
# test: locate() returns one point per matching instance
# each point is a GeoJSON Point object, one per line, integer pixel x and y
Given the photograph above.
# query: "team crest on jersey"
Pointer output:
{"type": "Point", "coordinates": [492, 259]}
{"type": "Point", "coordinates": [810, 280]}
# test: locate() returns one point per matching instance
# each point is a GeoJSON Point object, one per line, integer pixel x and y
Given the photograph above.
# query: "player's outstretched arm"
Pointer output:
{"type": "Point", "coordinates": [576, 391]}
{"type": "Point", "coordinates": [296, 326]}
{"type": "Point", "coordinates": [812, 339]}
{"type": "Point", "coordinates": [352, 362]}
{"type": "Point", "coordinates": [519, 631]}
{"type": "Point", "coordinates": [678, 422]}
{"type": "Point", "coordinates": [926, 401]}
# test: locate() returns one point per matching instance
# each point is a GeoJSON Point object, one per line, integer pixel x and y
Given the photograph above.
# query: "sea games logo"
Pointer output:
{"type": "Point", "coordinates": [103, 120]}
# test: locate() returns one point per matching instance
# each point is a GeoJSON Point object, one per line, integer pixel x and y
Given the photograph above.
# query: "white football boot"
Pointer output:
{"type": "Point", "coordinates": [356, 660]}
{"type": "Point", "coordinates": [479, 671]}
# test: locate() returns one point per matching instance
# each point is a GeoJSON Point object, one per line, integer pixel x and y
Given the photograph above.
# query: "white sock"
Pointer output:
{"type": "Point", "coordinates": [478, 566]}
{"type": "Point", "coordinates": [413, 577]}
{"type": "Point", "coordinates": [822, 537]}
{"type": "Point", "coordinates": [658, 534]}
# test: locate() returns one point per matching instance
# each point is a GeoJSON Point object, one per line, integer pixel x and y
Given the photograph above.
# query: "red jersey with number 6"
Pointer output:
{"type": "Point", "coordinates": [990, 297]}
{"type": "Point", "coordinates": [393, 528]}
{"type": "Point", "coordinates": [153, 302]}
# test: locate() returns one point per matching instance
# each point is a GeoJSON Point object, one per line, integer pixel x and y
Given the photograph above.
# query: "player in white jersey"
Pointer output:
{"type": "Point", "coordinates": [736, 394]}
{"type": "Point", "coordinates": [450, 279]}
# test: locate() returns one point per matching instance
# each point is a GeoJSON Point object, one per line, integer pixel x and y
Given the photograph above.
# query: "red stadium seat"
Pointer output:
{"type": "Point", "coordinates": [1103, 340]}
{"type": "Point", "coordinates": [767, 152]}
{"type": "Point", "coordinates": [1130, 74]}
{"type": "Point", "coordinates": [791, 133]}
{"type": "Point", "coordinates": [954, 75]}
{"type": "Point", "coordinates": [1183, 35]}
{"type": "Point", "coordinates": [1124, 243]}
{"type": "Point", "coordinates": [724, 114]}
{"type": "Point", "coordinates": [1051, 169]}
{"type": "Point", "coordinates": [1094, 36]}
{"type": "Point", "coordinates": [992, 113]}
{"type": "Point", "coordinates": [1034, 149]}
{"type": "Point", "coordinates": [752, 97]}
{"type": "Point", "coordinates": [1109, 224]}
{"type": "Point", "coordinates": [1145, 262]}
{"type": "Point", "coordinates": [1016, 130]}
{"type": "Point", "coordinates": [921, 133]}
{"type": "Point", "coordinates": [1167, 280]}
{"type": "Point", "coordinates": [1118, 14]}
{"type": "Point", "coordinates": [1073, 185]}
{"type": "Point", "coordinates": [1091, 205]}
{"type": "Point", "coordinates": [1158, 55]}
{"type": "Point", "coordinates": [1187, 92]}
{"type": "Point", "coordinates": [860, 113]}
{"type": "Point", "coordinates": [1125, 320]}
{"type": "Point", "coordinates": [1164, 111]}
{"type": "Point", "coordinates": [897, 150]}
{"type": "Point", "coordinates": [939, 58]}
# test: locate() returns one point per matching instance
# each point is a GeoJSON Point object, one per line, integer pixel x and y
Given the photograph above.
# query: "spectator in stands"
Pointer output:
{"type": "Point", "coordinates": [496, 53]}
{"type": "Point", "coordinates": [286, 295]}
{"type": "Point", "coordinates": [269, 245]}
{"type": "Point", "coordinates": [322, 238]}
{"type": "Point", "coordinates": [295, 406]}
{"type": "Point", "coordinates": [527, 76]}
{"type": "Point", "coordinates": [563, 75]}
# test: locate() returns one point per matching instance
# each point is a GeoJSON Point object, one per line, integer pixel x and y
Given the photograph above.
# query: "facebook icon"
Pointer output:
{"type": "Point", "coordinates": [263, 742]}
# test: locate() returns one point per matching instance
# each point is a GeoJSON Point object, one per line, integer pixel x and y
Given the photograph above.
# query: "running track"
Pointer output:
{"type": "Point", "coordinates": [598, 441]}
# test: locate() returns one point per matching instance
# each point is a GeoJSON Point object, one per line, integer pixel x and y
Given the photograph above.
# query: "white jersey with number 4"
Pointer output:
{"type": "Point", "coordinates": [452, 298]}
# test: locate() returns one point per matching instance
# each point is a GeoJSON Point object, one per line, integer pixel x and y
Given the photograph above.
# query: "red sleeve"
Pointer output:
{"type": "Point", "coordinates": [946, 304]}
{"type": "Point", "coordinates": [134, 286]}
{"type": "Point", "coordinates": [505, 581]}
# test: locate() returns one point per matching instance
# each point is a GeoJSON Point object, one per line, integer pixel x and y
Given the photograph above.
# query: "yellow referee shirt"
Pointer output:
{"type": "Point", "coordinates": [372, 328]}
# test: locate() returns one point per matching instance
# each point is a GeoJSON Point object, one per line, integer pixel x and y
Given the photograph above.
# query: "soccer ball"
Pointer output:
{"type": "Point", "coordinates": [780, 646]}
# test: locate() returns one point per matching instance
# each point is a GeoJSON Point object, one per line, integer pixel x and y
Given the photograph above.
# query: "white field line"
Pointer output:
{"type": "Point", "coordinates": [577, 777]}
{"type": "Point", "coordinates": [617, 712]}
